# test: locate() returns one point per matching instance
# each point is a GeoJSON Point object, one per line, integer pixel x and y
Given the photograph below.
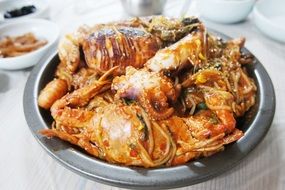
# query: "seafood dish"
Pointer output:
{"type": "Point", "coordinates": [12, 46]}
{"type": "Point", "coordinates": [148, 92]}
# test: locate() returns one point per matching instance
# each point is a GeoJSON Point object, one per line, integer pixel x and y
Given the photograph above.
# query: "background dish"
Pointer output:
{"type": "Point", "coordinates": [255, 125]}
{"type": "Point", "coordinates": [42, 29]}
{"type": "Point", "coordinates": [41, 12]}
{"type": "Point", "coordinates": [269, 17]}
{"type": "Point", "coordinates": [225, 11]}
{"type": "Point", "coordinates": [143, 7]}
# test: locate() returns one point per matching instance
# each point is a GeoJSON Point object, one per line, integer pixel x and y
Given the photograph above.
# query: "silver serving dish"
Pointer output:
{"type": "Point", "coordinates": [255, 124]}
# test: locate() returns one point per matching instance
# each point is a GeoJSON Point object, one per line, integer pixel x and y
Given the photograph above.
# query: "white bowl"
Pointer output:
{"type": "Point", "coordinates": [42, 29]}
{"type": "Point", "coordinates": [8, 5]}
{"type": "Point", "coordinates": [225, 11]}
{"type": "Point", "coordinates": [269, 17]}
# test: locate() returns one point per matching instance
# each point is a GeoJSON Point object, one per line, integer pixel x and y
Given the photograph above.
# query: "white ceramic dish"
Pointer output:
{"type": "Point", "coordinates": [42, 29]}
{"type": "Point", "coordinates": [225, 11]}
{"type": "Point", "coordinates": [8, 5]}
{"type": "Point", "coordinates": [269, 17]}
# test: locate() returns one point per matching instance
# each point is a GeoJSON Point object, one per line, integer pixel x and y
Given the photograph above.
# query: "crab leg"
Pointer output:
{"type": "Point", "coordinates": [81, 142]}
{"type": "Point", "coordinates": [188, 50]}
{"type": "Point", "coordinates": [66, 110]}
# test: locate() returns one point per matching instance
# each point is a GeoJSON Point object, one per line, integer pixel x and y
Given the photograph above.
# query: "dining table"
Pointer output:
{"type": "Point", "coordinates": [25, 165]}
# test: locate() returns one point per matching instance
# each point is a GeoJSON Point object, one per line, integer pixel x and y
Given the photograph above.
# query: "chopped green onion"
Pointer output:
{"type": "Point", "coordinates": [202, 106]}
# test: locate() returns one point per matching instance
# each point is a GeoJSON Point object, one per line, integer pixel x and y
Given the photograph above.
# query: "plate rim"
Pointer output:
{"type": "Point", "coordinates": [141, 178]}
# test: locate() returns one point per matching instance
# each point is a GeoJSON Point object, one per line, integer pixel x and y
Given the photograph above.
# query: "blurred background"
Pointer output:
{"type": "Point", "coordinates": [69, 14]}
{"type": "Point", "coordinates": [25, 165]}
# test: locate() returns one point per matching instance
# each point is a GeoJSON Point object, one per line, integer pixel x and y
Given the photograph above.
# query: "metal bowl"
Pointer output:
{"type": "Point", "coordinates": [255, 124]}
{"type": "Point", "coordinates": [143, 7]}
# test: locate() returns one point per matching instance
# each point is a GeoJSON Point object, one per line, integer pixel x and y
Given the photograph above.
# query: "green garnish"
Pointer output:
{"type": "Point", "coordinates": [202, 106]}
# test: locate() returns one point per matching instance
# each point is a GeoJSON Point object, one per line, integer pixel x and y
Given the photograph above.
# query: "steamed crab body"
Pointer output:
{"type": "Point", "coordinates": [152, 90]}
{"type": "Point", "coordinates": [201, 135]}
{"type": "Point", "coordinates": [128, 137]}
{"type": "Point", "coordinates": [117, 136]}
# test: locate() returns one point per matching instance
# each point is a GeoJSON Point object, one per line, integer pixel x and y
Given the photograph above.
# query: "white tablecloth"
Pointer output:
{"type": "Point", "coordinates": [25, 165]}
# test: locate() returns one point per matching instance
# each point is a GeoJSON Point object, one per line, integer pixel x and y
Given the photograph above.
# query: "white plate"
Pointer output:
{"type": "Point", "coordinates": [225, 11]}
{"type": "Point", "coordinates": [42, 29]}
{"type": "Point", "coordinates": [269, 17]}
{"type": "Point", "coordinates": [42, 7]}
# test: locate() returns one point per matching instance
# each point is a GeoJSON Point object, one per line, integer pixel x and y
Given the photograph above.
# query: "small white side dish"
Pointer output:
{"type": "Point", "coordinates": [42, 7]}
{"type": "Point", "coordinates": [42, 29]}
{"type": "Point", "coordinates": [269, 17]}
{"type": "Point", "coordinates": [225, 11]}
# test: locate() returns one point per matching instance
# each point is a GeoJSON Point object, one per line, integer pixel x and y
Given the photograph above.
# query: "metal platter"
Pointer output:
{"type": "Point", "coordinates": [254, 124]}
